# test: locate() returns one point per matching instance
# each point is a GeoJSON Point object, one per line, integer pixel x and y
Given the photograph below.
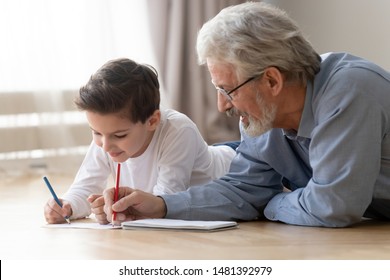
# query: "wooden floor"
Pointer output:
{"type": "Point", "coordinates": [23, 237]}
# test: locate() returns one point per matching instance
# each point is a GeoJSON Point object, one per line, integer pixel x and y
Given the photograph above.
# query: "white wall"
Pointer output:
{"type": "Point", "coordinates": [361, 27]}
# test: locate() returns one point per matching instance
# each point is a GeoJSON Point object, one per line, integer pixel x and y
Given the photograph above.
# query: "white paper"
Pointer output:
{"type": "Point", "coordinates": [82, 225]}
{"type": "Point", "coordinates": [153, 224]}
{"type": "Point", "coordinates": [178, 224]}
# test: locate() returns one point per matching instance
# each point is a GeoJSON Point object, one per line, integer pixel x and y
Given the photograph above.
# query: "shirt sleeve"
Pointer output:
{"type": "Point", "coordinates": [240, 195]}
{"type": "Point", "coordinates": [90, 179]}
{"type": "Point", "coordinates": [345, 153]}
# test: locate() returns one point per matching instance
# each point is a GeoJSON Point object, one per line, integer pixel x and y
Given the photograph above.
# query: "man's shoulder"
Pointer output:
{"type": "Point", "coordinates": [343, 70]}
{"type": "Point", "coordinates": [336, 62]}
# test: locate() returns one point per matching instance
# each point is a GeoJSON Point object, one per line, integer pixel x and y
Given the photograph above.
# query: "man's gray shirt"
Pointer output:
{"type": "Point", "coordinates": [337, 165]}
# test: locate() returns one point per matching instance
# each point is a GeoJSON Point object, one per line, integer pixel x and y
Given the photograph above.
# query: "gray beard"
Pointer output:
{"type": "Point", "coordinates": [256, 128]}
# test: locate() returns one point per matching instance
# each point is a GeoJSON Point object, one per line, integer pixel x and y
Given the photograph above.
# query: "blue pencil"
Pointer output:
{"type": "Point", "coordinates": [54, 195]}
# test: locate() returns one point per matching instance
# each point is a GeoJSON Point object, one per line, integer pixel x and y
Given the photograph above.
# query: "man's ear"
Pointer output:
{"type": "Point", "coordinates": [154, 120]}
{"type": "Point", "coordinates": [274, 80]}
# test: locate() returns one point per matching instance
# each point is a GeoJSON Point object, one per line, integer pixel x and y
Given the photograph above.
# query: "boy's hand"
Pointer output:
{"type": "Point", "coordinates": [97, 207]}
{"type": "Point", "coordinates": [54, 214]}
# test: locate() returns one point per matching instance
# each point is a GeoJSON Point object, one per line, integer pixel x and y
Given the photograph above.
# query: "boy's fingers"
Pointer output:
{"type": "Point", "coordinates": [108, 195]}
{"type": "Point", "coordinates": [93, 197]}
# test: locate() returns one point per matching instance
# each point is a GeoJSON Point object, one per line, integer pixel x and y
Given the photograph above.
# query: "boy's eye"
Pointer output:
{"type": "Point", "coordinates": [120, 136]}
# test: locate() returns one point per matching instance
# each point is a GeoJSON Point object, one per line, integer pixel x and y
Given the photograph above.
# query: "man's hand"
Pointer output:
{"type": "Point", "coordinates": [133, 205]}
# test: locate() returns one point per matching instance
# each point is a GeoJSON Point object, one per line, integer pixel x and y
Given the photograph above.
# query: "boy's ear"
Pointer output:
{"type": "Point", "coordinates": [154, 120]}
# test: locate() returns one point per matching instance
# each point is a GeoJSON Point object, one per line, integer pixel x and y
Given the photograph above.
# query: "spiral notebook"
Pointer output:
{"type": "Point", "coordinates": [173, 224]}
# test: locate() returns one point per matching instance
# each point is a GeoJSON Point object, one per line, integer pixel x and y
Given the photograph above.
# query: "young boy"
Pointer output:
{"type": "Point", "coordinates": [160, 151]}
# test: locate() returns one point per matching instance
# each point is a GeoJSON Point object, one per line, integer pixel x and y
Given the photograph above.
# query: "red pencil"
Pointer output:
{"type": "Point", "coordinates": [118, 174]}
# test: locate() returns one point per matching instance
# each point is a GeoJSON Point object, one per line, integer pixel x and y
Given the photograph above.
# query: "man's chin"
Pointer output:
{"type": "Point", "coordinates": [252, 132]}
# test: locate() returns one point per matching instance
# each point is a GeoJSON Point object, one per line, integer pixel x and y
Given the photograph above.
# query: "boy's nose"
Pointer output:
{"type": "Point", "coordinates": [105, 144]}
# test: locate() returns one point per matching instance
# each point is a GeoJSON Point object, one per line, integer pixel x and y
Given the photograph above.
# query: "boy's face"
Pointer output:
{"type": "Point", "coordinates": [119, 137]}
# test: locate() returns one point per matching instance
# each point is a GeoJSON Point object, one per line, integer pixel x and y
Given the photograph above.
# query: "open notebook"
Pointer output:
{"type": "Point", "coordinates": [160, 224]}
{"type": "Point", "coordinates": [179, 224]}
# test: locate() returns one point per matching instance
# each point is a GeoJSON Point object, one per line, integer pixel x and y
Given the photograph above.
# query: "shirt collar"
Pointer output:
{"type": "Point", "coordinates": [306, 126]}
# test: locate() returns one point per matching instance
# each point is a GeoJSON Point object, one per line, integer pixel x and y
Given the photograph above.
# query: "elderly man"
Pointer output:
{"type": "Point", "coordinates": [315, 125]}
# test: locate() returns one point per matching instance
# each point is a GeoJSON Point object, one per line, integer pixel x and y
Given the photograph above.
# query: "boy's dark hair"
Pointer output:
{"type": "Point", "coordinates": [122, 86]}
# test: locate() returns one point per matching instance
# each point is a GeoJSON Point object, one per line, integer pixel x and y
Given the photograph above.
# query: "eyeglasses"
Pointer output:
{"type": "Point", "coordinates": [227, 94]}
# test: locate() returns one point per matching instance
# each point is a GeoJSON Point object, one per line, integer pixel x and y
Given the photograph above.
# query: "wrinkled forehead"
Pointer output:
{"type": "Point", "coordinates": [221, 73]}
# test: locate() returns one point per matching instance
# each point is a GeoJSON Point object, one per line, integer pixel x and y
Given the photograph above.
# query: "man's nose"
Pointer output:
{"type": "Point", "coordinates": [223, 103]}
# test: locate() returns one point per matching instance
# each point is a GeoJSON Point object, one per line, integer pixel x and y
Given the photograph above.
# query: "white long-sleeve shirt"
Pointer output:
{"type": "Point", "coordinates": [177, 158]}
